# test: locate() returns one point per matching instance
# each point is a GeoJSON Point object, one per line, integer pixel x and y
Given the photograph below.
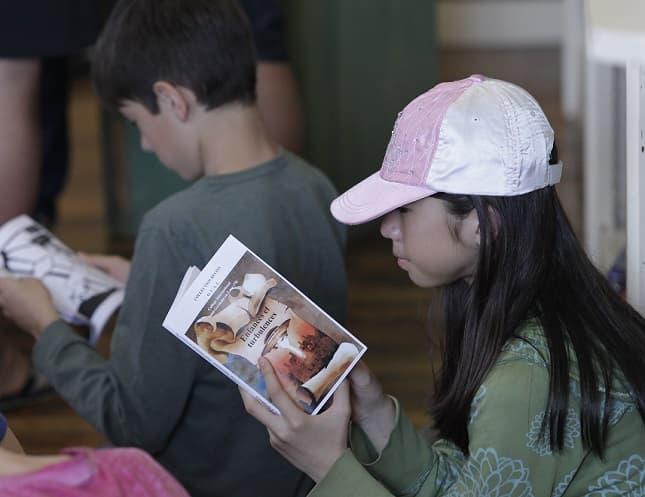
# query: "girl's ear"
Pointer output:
{"type": "Point", "coordinates": [470, 233]}
{"type": "Point", "coordinates": [173, 99]}
{"type": "Point", "coordinates": [469, 230]}
{"type": "Point", "coordinates": [495, 221]}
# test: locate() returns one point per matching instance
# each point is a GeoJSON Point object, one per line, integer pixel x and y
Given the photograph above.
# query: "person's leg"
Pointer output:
{"type": "Point", "coordinates": [19, 172]}
{"type": "Point", "coordinates": [20, 140]}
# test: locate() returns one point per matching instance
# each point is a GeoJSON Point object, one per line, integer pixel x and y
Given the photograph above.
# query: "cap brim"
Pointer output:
{"type": "Point", "coordinates": [374, 197]}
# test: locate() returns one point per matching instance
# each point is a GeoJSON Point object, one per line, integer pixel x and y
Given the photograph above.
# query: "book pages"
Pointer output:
{"type": "Point", "coordinates": [82, 294]}
{"type": "Point", "coordinates": [239, 309]}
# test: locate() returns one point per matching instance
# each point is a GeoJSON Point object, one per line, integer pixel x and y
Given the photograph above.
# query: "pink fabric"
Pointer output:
{"type": "Point", "coordinates": [403, 175]}
{"type": "Point", "coordinates": [354, 207]}
{"type": "Point", "coordinates": [96, 473]}
{"type": "Point", "coordinates": [476, 136]}
{"type": "Point", "coordinates": [416, 133]}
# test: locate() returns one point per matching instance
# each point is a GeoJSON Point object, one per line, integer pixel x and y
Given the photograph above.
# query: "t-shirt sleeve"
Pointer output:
{"type": "Point", "coordinates": [507, 454]}
{"type": "Point", "coordinates": [137, 397]}
{"type": "Point", "coordinates": [267, 21]}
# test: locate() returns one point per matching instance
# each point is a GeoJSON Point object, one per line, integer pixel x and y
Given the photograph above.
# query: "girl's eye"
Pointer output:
{"type": "Point", "coordinates": [403, 210]}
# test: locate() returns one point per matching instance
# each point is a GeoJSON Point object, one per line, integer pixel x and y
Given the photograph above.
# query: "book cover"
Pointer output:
{"type": "Point", "coordinates": [82, 294]}
{"type": "Point", "coordinates": [238, 309]}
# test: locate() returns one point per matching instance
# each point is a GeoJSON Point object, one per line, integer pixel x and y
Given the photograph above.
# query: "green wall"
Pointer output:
{"type": "Point", "coordinates": [359, 62]}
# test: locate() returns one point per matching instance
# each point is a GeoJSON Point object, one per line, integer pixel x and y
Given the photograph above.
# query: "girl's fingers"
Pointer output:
{"type": "Point", "coordinates": [279, 397]}
{"type": "Point", "coordinates": [360, 375]}
{"type": "Point", "coordinates": [260, 412]}
{"type": "Point", "coordinates": [341, 399]}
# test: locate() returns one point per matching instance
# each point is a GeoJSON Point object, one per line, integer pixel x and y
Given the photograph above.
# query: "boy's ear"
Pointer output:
{"type": "Point", "coordinates": [173, 99]}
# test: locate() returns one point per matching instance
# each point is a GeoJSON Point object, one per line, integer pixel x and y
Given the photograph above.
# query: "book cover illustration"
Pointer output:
{"type": "Point", "coordinates": [239, 309]}
{"type": "Point", "coordinates": [82, 294]}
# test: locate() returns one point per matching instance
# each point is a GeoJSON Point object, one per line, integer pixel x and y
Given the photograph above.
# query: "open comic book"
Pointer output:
{"type": "Point", "coordinates": [82, 294]}
{"type": "Point", "coordinates": [238, 309]}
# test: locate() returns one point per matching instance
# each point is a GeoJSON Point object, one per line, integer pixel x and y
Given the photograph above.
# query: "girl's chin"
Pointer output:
{"type": "Point", "coordinates": [417, 277]}
{"type": "Point", "coordinates": [423, 280]}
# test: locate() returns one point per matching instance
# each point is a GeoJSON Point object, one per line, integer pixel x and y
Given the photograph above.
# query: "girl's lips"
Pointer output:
{"type": "Point", "coordinates": [401, 261]}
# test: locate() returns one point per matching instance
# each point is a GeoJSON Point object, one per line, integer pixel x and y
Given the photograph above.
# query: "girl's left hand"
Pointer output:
{"type": "Point", "coordinates": [311, 443]}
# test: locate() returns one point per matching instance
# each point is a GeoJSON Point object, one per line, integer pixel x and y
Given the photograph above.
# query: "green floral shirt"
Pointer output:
{"type": "Point", "coordinates": [509, 457]}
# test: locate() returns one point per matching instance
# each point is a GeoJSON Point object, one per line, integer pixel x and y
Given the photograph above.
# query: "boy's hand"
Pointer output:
{"type": "Point", "coordinates": [311, 443]}
{"type": "Point", "coordinates": [27, 303]}
{"type": "Point", "coordinates": [114, 265]}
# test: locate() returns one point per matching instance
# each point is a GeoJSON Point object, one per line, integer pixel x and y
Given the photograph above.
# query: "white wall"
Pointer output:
{"type": "Point", "coordinates": [499, 23]}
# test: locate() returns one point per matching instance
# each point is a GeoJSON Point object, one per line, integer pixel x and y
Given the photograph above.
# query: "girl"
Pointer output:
{"type": "Point", "coordinates": [541, 391]}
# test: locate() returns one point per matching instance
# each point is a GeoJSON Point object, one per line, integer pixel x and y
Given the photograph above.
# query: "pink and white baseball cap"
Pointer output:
{"type": "Point", "coordinates": [475, 136]}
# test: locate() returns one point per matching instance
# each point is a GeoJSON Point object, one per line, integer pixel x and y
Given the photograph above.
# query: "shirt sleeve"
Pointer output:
{"type": "Point", "coordinates": [507, 454]}
{"type": "Point", "coordinates": [137, 396]}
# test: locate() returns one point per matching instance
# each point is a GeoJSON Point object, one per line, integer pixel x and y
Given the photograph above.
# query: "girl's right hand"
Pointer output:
{"type": "Point", "coordinates": [311, 443]}
{"type": "Point", "coordinates": [372, 410]}
{"type": "Point", "coordinates": [114, 265]}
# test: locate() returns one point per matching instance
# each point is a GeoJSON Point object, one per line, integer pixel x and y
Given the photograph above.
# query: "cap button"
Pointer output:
{"type": "Point", "coordinates": [477, 78]}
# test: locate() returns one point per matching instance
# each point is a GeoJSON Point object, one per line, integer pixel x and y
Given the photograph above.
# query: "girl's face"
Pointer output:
{"type": "Point", "coordinates": [432, 245]}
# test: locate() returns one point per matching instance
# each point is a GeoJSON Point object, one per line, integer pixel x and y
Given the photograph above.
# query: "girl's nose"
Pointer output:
{"type": "Point", "coordinates": [391, 226]}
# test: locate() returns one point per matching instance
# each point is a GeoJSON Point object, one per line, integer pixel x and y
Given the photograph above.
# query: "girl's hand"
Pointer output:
{"type": "Point", "coordinates": [311, 443]}
{"type": "Point", "coordinates": [114, 265]}
{"type": "Point", "coordinates": [27, 303]}
{"type": "Point", "coordinates": [372, 410]}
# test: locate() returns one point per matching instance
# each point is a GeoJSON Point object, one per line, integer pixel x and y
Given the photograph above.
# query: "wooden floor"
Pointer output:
{"type": "Point", "coordinates": [386, 311]}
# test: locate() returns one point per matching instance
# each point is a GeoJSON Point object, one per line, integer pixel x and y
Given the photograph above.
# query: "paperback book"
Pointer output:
{"type": "Point", "coordinates": [82, 294]}
{"type": "Point", "coordinates": [239, 309]}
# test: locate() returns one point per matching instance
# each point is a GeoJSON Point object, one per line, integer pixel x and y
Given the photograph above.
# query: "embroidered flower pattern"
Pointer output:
{"type": "Point", "coordinates": [526, 351]}
{"type": "Point", "coordinates": [488, 475]}
{"type": "Point", "coordinates": [452, 462]}
{"type": "Point", "coordinates": [563, 485]}
{"type": "Point", "coordinates": [627, 479]}
{"type": "Point", "coordinates": [618, 409]}
{"type": "Point", "coordinates": [476, 404]}
{"type": "Point", "coordinates": [539, 440]}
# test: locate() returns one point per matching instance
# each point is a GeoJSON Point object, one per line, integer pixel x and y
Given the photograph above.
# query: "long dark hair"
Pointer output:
{"type": "Point", "coordinates": [532, 265]}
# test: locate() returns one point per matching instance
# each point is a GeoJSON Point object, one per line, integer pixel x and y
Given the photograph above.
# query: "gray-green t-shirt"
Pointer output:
{"type": "Point", "coordinates": [157, 394]}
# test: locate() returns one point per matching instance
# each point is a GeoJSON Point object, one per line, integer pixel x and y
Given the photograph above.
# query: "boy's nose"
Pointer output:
{"type": "Point", "coordinates": [391, 226]}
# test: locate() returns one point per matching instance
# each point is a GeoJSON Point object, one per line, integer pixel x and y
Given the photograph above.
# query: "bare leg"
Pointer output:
{"type": "Point", "coordinates": [20, 149]}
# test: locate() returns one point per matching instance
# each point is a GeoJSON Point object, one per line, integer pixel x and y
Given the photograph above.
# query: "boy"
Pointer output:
{"type": "Point", "coordinates": [184, 73]}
